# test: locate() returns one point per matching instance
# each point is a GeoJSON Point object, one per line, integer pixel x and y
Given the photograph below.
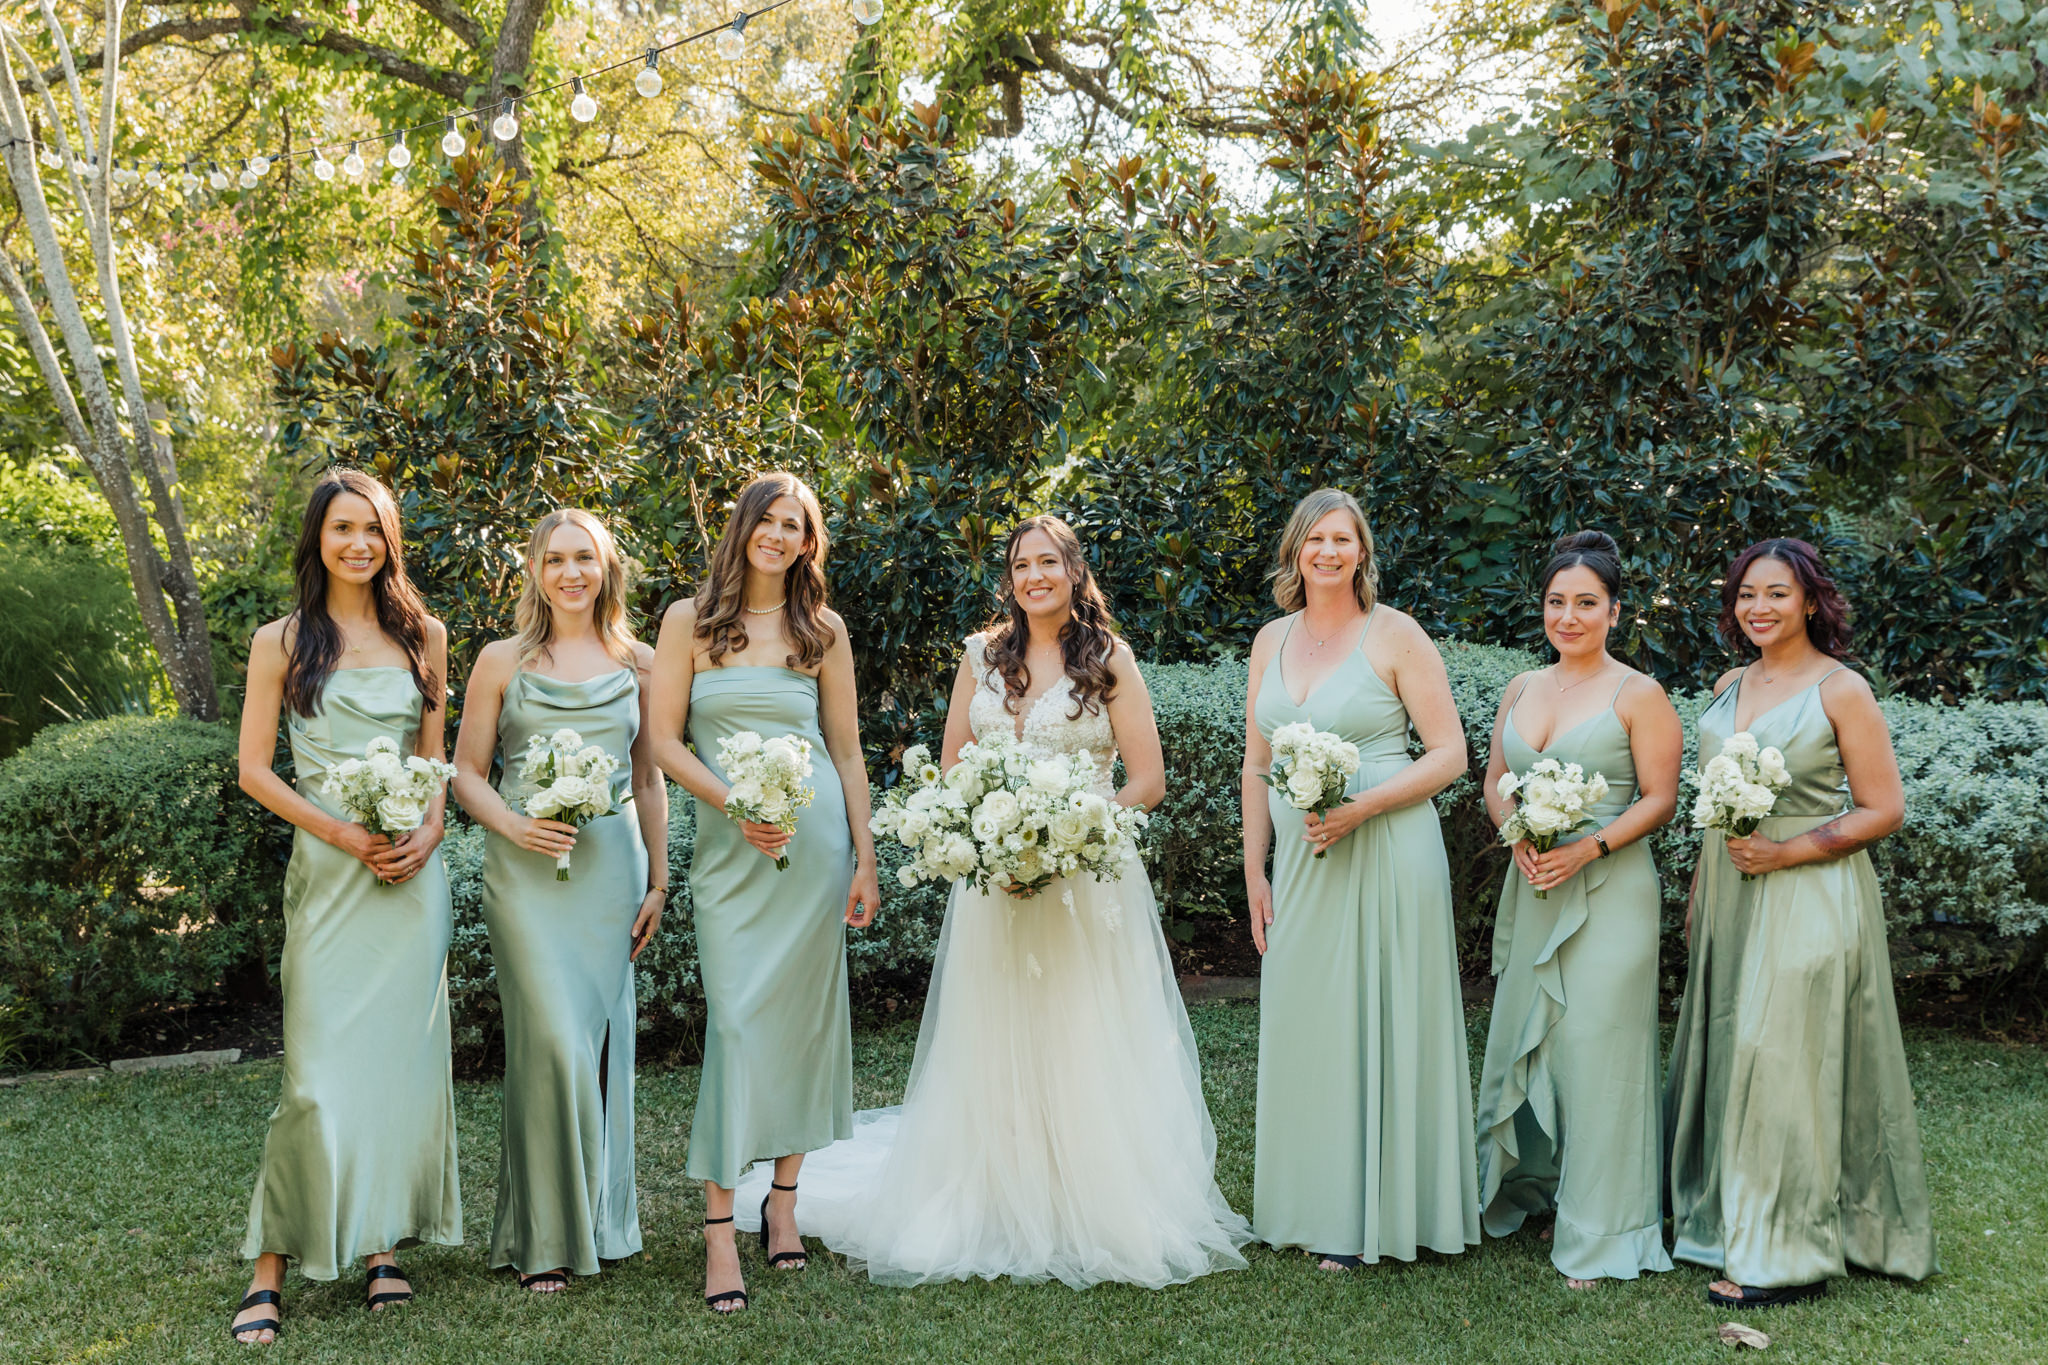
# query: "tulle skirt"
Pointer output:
{"type": "Point", "coordinates": [1054, 1126]}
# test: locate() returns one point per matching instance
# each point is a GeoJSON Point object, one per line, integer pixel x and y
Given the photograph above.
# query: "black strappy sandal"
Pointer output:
{"type": "Point", "coordinates": [527, 1282]}
{"type": "Point", "coordinates": [1341, 1262]}
{"type": "Point", "coordinates": [778, 1258]}
{"type": "Point", "coordinates": [272, 1325]}
{"type": "Point", "coordinates": [385, 1272]}
{"type": "Point", "coordinates": [1768, 1298]}
{"type": "Point", "coordinates": [712, 1301]}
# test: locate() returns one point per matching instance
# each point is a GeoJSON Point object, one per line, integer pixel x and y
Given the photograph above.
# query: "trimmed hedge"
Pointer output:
{"type": "Point", "coordinates": [134, 873]}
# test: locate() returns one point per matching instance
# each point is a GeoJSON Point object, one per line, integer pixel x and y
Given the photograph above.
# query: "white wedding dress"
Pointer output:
{"type": "Point", "coordinates": [1054, 1126]}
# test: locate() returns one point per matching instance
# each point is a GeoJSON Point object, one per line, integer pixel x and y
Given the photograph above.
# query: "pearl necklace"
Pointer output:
{"type": "Point", "coordinates": [765, 611]}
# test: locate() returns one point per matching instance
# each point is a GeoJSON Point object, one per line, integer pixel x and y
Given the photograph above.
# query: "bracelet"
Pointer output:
{"type": "Point", "coordinates": [1601, 839]}
{"type": "Point", "coordinates": [664, 894]}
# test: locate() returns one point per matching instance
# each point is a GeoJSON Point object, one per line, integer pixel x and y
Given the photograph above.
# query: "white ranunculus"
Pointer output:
{"type": "Point", "coordinates": [1741, 744]}
{"type": "Point", "coordinates": [565, 741]}
{"type": "Point", "coordinates": [906, 875]}
{"type": "Point", "coordinates": [1771, 763]}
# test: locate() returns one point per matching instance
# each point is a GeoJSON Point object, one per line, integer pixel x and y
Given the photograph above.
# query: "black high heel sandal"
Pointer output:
{"type": "Point", "coordinates": [528, 1282]}
{"type": "Point", "coordinates": [712, 1301]}
{"type": "Point", "coordinates": [1341, 1262]}
{"type": "Point", "coordinates": [777, 1259]}
{"type": "Point", "coordinates": [271, 1325]}
{"type": "Point", "coordinates": [385, 1272]}
{"type": "Point", "coordinates": [1752, 1297]}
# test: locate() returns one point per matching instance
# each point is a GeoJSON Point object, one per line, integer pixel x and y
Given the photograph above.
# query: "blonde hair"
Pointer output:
{"type": "Point", "coordinates": [722, 598]}
{"type": "Point", "coordinates": [1288, 590]}
{"type": "Point", "coordinates": [535, 619]}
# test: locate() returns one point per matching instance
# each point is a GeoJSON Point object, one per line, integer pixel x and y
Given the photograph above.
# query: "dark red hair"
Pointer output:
{"type": "Point", "coordinates": [1827, 621]}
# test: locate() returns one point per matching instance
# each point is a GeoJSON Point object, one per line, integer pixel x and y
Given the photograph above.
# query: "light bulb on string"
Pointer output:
{"type": "Point", "coordinates": [217, 178]}
{"type": "Point", "coordinates": [188, 180]}
{"type": "Point", "coordinates": [52, 159]}
{"type": "Point", "coordinates": [867, 11]}
{"type": "Point", "coordinates": [352, 164]}
{"type": "Point", "coordinates": [731, 41]}
{"type": "Point", "coordinates": [323, 169]}
{"type": "Point", "coordinates": [505, 126]}
{"type": "Point", "coordinates": [583, 108]}
{"type": "Point", "coordinates": [154, 176]}
{"type": "Point", "coordinates": [247, 179]}
{"type": "Point", "coordinates": [452, 141]}
{"type": "Point", "coordinates": [648, 82]}
{"type": "Point", "coordinates": [259, 165]}
{"type": "Point", "coordinates": [400, 155]}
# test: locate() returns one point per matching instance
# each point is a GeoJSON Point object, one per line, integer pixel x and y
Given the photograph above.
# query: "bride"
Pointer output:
{"type": "Point", "coordinates": [1054, 1126]}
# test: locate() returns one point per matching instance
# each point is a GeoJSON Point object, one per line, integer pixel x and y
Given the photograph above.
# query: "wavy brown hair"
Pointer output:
{"type": "Point", "coordinates": [1087, 640]}
{"type": "Point", "coordinates": [1827, 623]}
{"type": "Point", "coordinates": [722, 601]}
{"type": "Point", "coordinates": [1288, 591]}
{"type": "Point", "coordinates": [315, 638]}
{"type": "Point", "coordinates": [534, 618]}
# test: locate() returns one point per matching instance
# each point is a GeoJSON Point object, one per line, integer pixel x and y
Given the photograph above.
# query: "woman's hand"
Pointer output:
{"type": "Point", "coordinates": [770, 839]}
{"type": "Point", "coordinates": [1324, 830]}
{"type": "Point", "coordinates": [408, 853]}
{"type": "Point", "coordinates": [550, 837]}
{"type": "Point", "coordinates": [1562, 863]}
{"type": "Point", "coordinates": [356, 841]}
{"type": "Point", "coordinates": [1756, 854]}
{"type": "Point", "coordinates": [864, 897]}
{"type": "Point", "coordinates": [1260, 893]}
{"type": "Point", "coordinates": [1525, 859]}
{"type": "Point", "coordinates": [648, 922]}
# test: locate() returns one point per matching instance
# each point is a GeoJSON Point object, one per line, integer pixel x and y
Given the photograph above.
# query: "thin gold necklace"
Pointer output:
{"type": "Point", "coordinates": [1566, 687]}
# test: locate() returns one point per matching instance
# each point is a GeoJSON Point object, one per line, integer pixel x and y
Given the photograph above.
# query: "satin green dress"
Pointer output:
{"type": "Point", "coordinates": [1364, 1140]}
{"type": "Point", "coordinates": [360, 1156]}
{"type": "Point", "coordinates": [771, 946]}
{"type": "Point", "coordinates": [566, 1192]}
{"type": "Point", "coordinates": [1794, 1147]}
{"type": "Point", "coordinates": [1569, 1108]}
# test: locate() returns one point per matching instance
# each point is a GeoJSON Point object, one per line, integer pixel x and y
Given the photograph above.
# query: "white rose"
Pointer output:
{"type": "Point", "coordinates": [1721, 769]}
{"type": "Point", "coordinates": [985, 827]}
{"type": "Point", "coordinates": [1508, 785]}
{"type": "Point", "coordinates": [1048, 775]}
{"type": "Point", "coordinates": [382, 744]}
{"type": "Point", "coordinates": [916, 824]}
{"type": "Point", "coordinates": [1304, 788]}
{"type": "Point", "coordinates": [1068, 829]}
{"type": "Point", "coordinates": [401, 812]}
{"type": "Point", "coordinates": [542, 805]}
{"type": "Point", "coordinates": [1003, 808]}
{"type": "Point", "coordinates": [574, 791]}
{"type": "Point", "coordinates": [1540, 790]}
{"type": "Point", "coordinates": [746, 792]}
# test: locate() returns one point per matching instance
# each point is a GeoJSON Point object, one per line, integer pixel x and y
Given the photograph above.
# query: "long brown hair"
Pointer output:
{"type": "Point", "coordinates": [535, 619]}
{"type": "Point", "coordinates": [1288, 591]}
{"type": "Point", "coordinates": [315, 638]}
{"type": "Point", "coordinates": [1087, 640]}
{"type": "Point", "coordinates": [721, 602]}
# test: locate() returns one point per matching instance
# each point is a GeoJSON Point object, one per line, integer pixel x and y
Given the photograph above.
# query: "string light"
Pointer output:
{"type": "Point", "coordinates": [259, 165]}
{"type": "Point", "coordinates": [217, 178]}
{"type": "Point", "coordinates": [452, 142]}
{"type": "Point", "coordinates": [188, 181]}
{"type": "Point", "coordinates": [505, 126]}
{"type": "Point", "coordinates": [867, 11]}
{"type": "Point", "coordinates": [51, 159]}
{"type": "Point", "coordinates": [247, 179]}
{"type": "Point", "coordinates": [583, 108]}
{"type": "Point", "coordinates": [352, 164]}
{"type": "Point", "coordinates": [731, 41]}
{"type": "Point", "coordinates": [648, 82]}
{"type": "Point", "coordinates": [323, 169]}
{"type": "Point", "coordinates": [154, 176]}
{"type": "Point", "coordinates": [400, 155]}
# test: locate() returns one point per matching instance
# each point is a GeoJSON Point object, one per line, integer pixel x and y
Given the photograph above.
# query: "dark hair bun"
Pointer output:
{"type": "Point", "coordinates": [1594, 550]}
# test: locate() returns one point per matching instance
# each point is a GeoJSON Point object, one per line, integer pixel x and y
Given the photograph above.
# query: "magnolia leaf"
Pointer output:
{"type": "Point", "coordinates": [1735, 1334]}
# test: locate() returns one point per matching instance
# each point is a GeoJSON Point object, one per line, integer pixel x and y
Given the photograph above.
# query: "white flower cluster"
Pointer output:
{"type": "Point", "coordinates": [1006, 817]}
{"type": "Point", "coordinates": [1738, 787]}
{"type": "Point", "coordinates": [386, 792]}
{"type": "Point", "coordinates": [1311, 768]}
{"type": "Point", "coordinates": [767, 779]}
{"type": "Point", "coordinates": [1551, 800]}
{"type": "Point", "coordinates": [573, 781]}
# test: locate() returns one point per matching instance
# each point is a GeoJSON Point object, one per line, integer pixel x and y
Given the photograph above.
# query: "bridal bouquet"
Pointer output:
{"type": "Point", "coordinates": [929, 816]}
{"type": "Point", "coordinates": [767, 777]}
{"type": "Point", "coordinates": [1550, 802]}
{"type": "Point", "coordinates": [574, 781]}
{"type": "Point", "coordinates": [1311, 768]}
{"type": "Point", "coordinates": [384, 792]}
{"type": "Point", "coordinates": [1738, 787]}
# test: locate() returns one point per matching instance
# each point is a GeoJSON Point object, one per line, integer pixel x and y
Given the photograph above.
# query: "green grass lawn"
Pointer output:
{"type": "Point", "coordinates": [121, 1207]}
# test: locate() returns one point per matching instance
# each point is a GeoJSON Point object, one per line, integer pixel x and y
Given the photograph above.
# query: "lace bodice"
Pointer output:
{"type": "Point", "coordinates": [1050, 725]}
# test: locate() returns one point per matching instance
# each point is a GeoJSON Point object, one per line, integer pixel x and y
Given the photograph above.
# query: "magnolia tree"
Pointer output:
{"type": "Point", "coordinates": [131, 460]}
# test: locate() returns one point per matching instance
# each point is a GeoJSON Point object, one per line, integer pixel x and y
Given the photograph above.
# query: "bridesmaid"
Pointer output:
{"type": "Point", "coordinates": [1568, 1100]}
{"type": "Point", "coordinates": [1364, 1141]}
{"type": "Point", "coordinates": [360, 1156]}
{"type": "Point", "coordinates": [757, 649]}
{"type": "Point", "coordinates": [564, 949]}
{"type": "Point", "coordinates": [1794, 1148]}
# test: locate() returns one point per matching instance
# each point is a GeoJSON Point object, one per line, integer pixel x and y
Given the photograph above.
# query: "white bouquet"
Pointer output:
{"type": "Point", "coordinates": [574, 781]}
{"type": "Point", "coordinates": [1311, 768]}
{"type": "Point", "coordinates": [767, 779]}
{"type": "Point", "coordinates": [386, 792]}
{"type": "Point", "coordinates": [1550, 802]}
{"type": "Point", "coordinates": [1008, 818]}
{"type": "Point", "coordinates": [1738, 787]}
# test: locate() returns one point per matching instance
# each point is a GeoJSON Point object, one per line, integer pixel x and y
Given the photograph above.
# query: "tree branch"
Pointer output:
{"type": "Point", "coordinates": [450, 85]}
{"type": "Point", "coordinates": [444, 13]}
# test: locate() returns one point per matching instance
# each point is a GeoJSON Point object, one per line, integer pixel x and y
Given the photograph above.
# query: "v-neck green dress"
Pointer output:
{"type": "Point", "coordinates": [1795, 1151]}
{"type": "Point", "coordinates": [360, 1156]}
{"type": "Point", "coordinates": [1569, 1110]}
{"type": "Point", "coordinates": [566, 1190]}
{"type": "Point", "coordinates": [1364, 1140]}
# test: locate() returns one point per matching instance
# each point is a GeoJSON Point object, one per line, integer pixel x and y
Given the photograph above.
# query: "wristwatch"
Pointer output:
{"type": "Point", "coordinates": [1601, 840]}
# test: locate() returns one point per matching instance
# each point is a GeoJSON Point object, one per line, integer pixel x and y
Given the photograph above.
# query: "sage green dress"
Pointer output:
{"type": "Point", "coordinates": [1794, 1148]}
{"type": "Point", "coordinates": [1569, 1112]}
{"type": "Point", "coordinates": [360, 1156]}
{"type": "Point", "coordinates": [566, 1193]}
{"type": "Point", "coordinates": [771, 946]}
{"type": "Point", "coordinates": [1364, 1141]}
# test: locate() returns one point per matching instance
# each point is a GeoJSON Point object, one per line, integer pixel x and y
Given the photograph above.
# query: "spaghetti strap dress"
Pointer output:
{"type": "Point", "coordinates": [1364, 1139]}
{"type": "Point", "coordinates": [1795, 1151]}
{"type": "Point", "coordinates": [1570, 1116]}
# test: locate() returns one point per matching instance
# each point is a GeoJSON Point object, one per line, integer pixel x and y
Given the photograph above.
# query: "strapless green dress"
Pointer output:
{"type": "Point", "coordinates": [1569, 1110]}
{"type": "Point", "coordinates": [360, 1156]}
{"type": "Point", "coordinates": [1364, 1140]}
{"type": "Point", "coordinates": [771, 946]}
{"type": "Point", "coordinates": [1794, 1146]}
{"type": "Point", "coordinates": [566, 1191]}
